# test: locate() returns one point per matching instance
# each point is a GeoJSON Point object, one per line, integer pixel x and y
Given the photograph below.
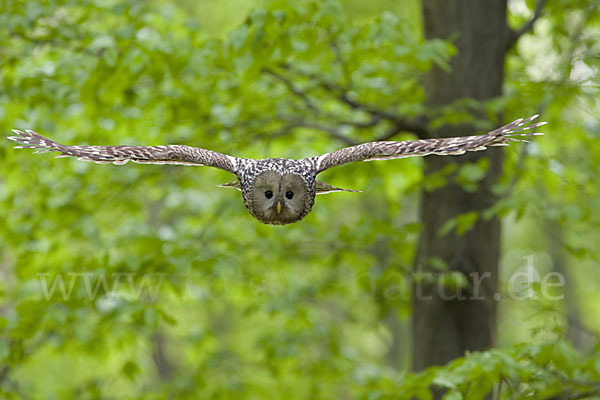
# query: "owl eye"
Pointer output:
{"type": "Point", "coordinates": [268, 194]}
{"type": "Point", "coordinates": [289, 194]}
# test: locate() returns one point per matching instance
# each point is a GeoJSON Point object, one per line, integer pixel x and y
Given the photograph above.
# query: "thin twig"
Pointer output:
{"type": "Point", "coordinates": [499, 392]}
{"type": "Point", "coordinates": [527, 26]}
{"type": "Point", "coordinates": [293, 122]}
{"type": "Point", "coordinates": [373, 120]}
{"type": "Point", "coordinates": [330, 130]}
{"type": "Point", "coordinates": [584, 395]}
{"type": "Point", "coordinates": [292, 88]}
{"type": "Point", "coordinates": [404, 126]}
{"type": "Point", "coordinates": [340, 60]}
{"type": "Point", "coordinates": [4, 373]}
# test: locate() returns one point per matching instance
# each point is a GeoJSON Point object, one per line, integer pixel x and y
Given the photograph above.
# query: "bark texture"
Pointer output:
{"type": "Point", "coordinates": [443, 328]}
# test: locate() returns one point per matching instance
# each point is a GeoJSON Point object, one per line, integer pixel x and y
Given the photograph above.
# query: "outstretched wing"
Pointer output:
{"type": "Point", "coordinates": [172, 154]}
{"type": "Point", "coordinates": [442, 146]}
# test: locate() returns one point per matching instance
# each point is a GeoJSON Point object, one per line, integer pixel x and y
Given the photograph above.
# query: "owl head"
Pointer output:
{"type": "Point", "coordinates": [279, 198]}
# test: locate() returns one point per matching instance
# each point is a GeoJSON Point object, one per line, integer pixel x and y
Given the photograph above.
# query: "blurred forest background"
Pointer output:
{"type": "Point", "coordinates": [144, 281]}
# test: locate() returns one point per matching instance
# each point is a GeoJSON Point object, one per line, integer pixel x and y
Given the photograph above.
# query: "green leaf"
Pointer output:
{"type": "Point", "coordinates": [131, 369]}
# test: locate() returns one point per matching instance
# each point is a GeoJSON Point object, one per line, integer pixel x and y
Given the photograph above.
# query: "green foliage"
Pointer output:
{"type": "Point", "coordinates": [149, 281]}
{"type": "Point", "coordinates": [524, 371]}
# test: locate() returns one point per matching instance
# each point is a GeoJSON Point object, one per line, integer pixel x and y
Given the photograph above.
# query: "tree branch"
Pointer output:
{"type": "Point", "coordinates": [418, 127]}
{"type": "Point", "coordinates": [390, 133]}
{"type": "Point", "coordinates": [292, 88]}
{"type": "Point", "coordinates": [376, 114]}
{"type": "Point", "coordinates": [332, 131]}
{"type": "Point", "coordinates": [164, 367]}
{"type": "Point", "coordinates": [4, 373]}
{"type": "Point", "coordinates": [340, 60]}
{"type": "Point", "coordinates": [526, 27]}
{"type": "Point", "coordinates": [584, 395]}
{"type": "Point", "coordinates": [374, 120]}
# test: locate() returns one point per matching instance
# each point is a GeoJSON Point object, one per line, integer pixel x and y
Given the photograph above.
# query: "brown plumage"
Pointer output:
{"type": "Point", "coordinates": [278, 191]}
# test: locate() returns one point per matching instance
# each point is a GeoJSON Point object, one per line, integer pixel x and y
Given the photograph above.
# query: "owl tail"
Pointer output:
{"type": "Point", "coordinates": [323, 188]}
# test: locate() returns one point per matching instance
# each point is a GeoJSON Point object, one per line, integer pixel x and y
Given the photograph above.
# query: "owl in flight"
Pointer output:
{"type": "Point", "coordinates": [277, 190]}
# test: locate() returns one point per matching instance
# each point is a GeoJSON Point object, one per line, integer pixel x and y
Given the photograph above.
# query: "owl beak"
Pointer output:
{"type": "Point", "coordinates": [278, 207]}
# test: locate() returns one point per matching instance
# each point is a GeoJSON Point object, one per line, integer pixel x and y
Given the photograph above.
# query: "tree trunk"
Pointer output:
{"type": "Point", "coordinates": [444, 328]}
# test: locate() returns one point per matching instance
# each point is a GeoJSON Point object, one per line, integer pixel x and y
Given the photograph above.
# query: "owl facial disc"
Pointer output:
{"type": "Point", "coordinates": [279, 199]}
